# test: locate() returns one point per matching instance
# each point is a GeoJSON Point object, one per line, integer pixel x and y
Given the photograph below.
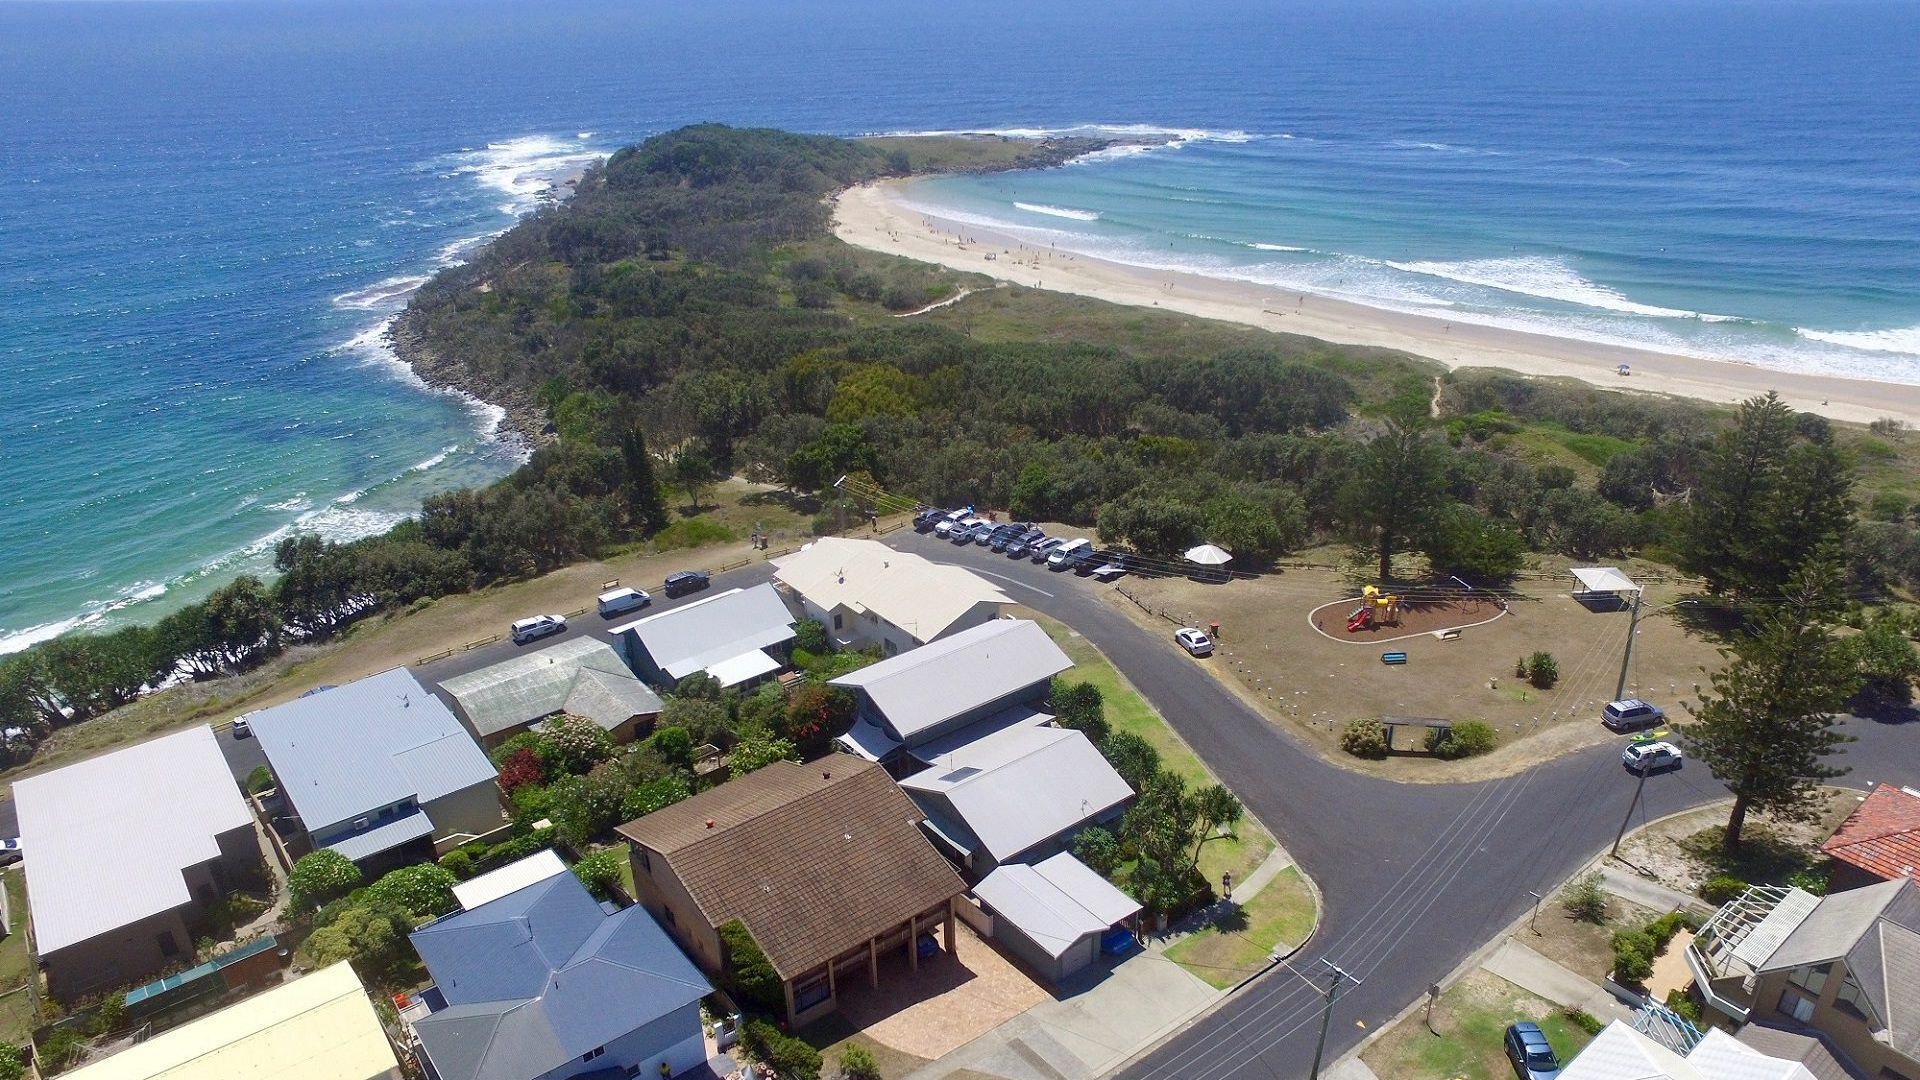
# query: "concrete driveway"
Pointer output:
{"type": "Point", "coordinates": [951, 999]}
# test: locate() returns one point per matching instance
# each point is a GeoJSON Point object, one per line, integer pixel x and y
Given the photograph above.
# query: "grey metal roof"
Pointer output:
{"type": "Point", "coordinates": [343, 752]}
{"type": "Point", "coordinates": [1875, 930]}
{"type": "Point", "coordinates": [1835, 925]}
{"type": "Point", "coordinates": [111, 836]}
{"type": "Point", "coordinates": [584, 677]}
{"type": "Point", "coordinates": [696, 636]}
{"type": "Point", "coordinates": [1022, 786]}
{"type": "Point", "coordinates": [541, 976]}
{"type": "Point", "coordinates": [383, 837]}
{"type": "Point", "coordinates": [1810, 1048]}
{"type": "Point", "coordinates": [938, 681]}
{"type": "Point", "coordinates": [1055, 902]}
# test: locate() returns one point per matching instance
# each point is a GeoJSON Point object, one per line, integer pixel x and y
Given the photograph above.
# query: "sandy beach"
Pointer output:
{"type": "Point", "coordinates": [875, 216]}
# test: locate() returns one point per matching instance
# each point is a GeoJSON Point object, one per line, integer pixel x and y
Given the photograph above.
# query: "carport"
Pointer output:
{"type": "Point", "coordinates": [1603, 587]}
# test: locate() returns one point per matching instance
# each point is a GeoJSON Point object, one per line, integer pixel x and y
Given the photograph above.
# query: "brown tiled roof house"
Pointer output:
{"type": "Point", "coordinates": [824, 863]}
{"type": "Point", "coordinates": [1879, 841]}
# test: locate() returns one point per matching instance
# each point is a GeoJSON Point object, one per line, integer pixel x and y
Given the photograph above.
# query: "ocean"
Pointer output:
{"type": "Point", "coordinates": [209, 210]}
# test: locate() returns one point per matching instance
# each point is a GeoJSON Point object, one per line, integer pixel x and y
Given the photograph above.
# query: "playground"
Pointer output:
{"type": "Point", "coordinates": [1377, 617]}
{"type": "Point", "coordinates": [1285, 649]}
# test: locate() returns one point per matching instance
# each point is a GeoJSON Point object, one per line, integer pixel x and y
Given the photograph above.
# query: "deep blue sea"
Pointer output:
{"type": "Point", "coordinates": [207, 210]}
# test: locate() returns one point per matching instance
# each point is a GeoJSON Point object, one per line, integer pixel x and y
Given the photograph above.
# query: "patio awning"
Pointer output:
{"type": "Point", "coordinates": [867, 741]}
{"type": "Point", "coordinates": [1603, 579]}
{"type": "Point", "coordinates": [383, 837]}
{"type": "Point", "coordinates": [738, 669]}
{"type": "Point", "coordinates": [1209, 555]}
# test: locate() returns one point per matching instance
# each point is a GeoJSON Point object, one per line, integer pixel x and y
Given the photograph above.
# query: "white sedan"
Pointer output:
{"type": "Point", "coordinates": [1195, 641]}
{"type": "Point", "coordinates": [1650, 757]}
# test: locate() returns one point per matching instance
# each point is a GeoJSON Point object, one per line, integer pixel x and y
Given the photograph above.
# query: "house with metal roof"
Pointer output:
{"type": "Point", "coordinates": [379, 770]}
{"type": "Point", "coordinates": [1621, 1053]}
{"type": "Point", "coordinates": [1845, 966]}
{"type": "Point", "coordinates": [1001, 671]}
{"type": "Point", "coordinates": [867, 594]}
{"type": "Point", "coordinates": [318, 1027]}
{"type": "Point", "coordinates": [739, 637]}
{"type": "Point", "coordinates": [494, 884]}
{"type": "Point", "coordinates": [1879, 841]}
{"type": "Point", "coordinates": [583, 677]}
{"type": "Point", "coordinates": [545, 983]}
{"type": "Point", "coordinates": [1016, 795]}
{"type": "Point", "coordinates": [128, 849]}
{"type": "Point", "coordinates": [824, 864]}
{"type": "Point", "coordinates": [1053, 913]}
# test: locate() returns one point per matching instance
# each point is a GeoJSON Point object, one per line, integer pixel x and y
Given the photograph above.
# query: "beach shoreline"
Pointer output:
{"type": "Point", "coordinates": [876, 216]}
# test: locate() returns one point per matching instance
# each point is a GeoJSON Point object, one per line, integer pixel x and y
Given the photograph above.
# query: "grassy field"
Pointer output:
{"type": "Point", "coordinates": [1279, 917]}
{"type": "Point", "coordinates": [1128, 711]}
{"type": "Point", "coordinates": [16, 966]}
{"type": "Point", "coordinates": [1471, 1019]}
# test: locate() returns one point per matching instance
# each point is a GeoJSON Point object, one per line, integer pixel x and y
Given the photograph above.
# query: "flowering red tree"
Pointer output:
{"type": "Point", "coordinates": [521, 768]}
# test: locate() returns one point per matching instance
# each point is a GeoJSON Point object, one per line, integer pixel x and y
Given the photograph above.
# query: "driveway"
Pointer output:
{"type": "Point", "coordinates": [951, 999]}
{"type": "Point", "coordinates": [1414, 877]}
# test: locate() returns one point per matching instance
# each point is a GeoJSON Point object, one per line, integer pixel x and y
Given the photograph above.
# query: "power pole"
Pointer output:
{"type": "Point", "coordinates": [1633, 628]}
{"type": "Point", "coordinates": [1336, 974]}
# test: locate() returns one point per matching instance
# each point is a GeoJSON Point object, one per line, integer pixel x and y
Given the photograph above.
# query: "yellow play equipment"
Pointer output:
{"type": "Point", "coordinates": [1376, 609]}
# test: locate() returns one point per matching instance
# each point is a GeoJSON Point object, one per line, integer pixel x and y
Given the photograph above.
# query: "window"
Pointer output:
{"type": "Point", "coordinates": [1811, 979]}
{"type": "Point", "coordinates": [1797, 1005]}
{"type": "Point", "coordinates": [646, 862]}
{"type": "Point", "coordinates": [593, 1053]}
{"type": "Point", "coordinates": [359, 823]}
{"type": "Point", "coordinates": [838, 620]}
{"type": "Point", "coordinates": [168, 946]}
{"type": "Point", "coordinates": [1850, 998]}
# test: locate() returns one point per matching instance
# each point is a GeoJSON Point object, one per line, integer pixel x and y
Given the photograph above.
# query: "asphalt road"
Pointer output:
{"type": "Point", "coordinates": [1414, 877]}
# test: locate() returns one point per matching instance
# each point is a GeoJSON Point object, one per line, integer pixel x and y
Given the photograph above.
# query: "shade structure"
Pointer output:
{"type": "Point", "coordinates": [1209, 555]}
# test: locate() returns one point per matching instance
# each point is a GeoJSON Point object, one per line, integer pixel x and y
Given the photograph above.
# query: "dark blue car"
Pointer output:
{"type": "Point", "coordinates": [1527, 1049]}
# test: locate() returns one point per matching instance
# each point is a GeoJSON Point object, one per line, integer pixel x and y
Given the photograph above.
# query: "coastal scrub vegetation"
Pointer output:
{"type": "Point", "coordinates": [687, 316]}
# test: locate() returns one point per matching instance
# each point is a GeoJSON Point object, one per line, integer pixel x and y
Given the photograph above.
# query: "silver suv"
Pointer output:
{"type": "Point", "coordinates": [1632, 715]}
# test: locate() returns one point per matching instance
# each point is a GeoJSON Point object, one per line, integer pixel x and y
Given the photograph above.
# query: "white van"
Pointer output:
{"type": "Point", "coordinates": [619, 600]}
{"type": "Point", "coordinates": [1066, 554]}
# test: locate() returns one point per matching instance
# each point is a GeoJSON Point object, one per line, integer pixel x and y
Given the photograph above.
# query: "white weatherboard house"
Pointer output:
{"type": "Point", "coordinates": [379, 770]}
{"type": "Point", "coordinates": [127, 849]}
{"type": "Point", "coordinates": [738, 636]}
{"type": "Point", "coordinates": [583, 677]}
{"type": "Point", "coordinates": [865, 593]}
{"type": "Point", "coordinates": [1053, 913]}
{"type": "Point", "coordinates": [981, 679]}
{"type": "Point", "coordinates": [1015, 795]}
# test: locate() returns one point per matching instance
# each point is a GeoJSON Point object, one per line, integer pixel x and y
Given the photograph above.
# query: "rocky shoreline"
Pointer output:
{"type": "Point", "coordinates": [525, 420]}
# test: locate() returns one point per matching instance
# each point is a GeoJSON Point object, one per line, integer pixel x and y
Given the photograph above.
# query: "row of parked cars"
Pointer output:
{"type": "Point", "coordinates": [609, 604]}
{"type": "Point", "coordinates": [1016, 540]}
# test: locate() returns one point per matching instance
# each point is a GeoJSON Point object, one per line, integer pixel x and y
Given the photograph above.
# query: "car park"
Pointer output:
{"type": "Point", "coordinates": [1194, 640]}
{"type": "Point", "coordinates": [10, 851]}
{"type": "Point", "coordinates": [619, 600]}
{"type": "Point", "coordinates": [686, 581]}
{"type": "Point", "coordinates": [537, 627]}
{"type": "Point", "coordinates": [1529, 1052]}
{"type": "Point", "coordinates": [1632, 715]}
{"type": "Point", "coordinates": [1650, 757]}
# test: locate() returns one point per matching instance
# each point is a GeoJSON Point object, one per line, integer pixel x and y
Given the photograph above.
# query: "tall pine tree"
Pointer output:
{"type": "Point", "coordinates": [645, 508]}
{"type": "Point", "coordinates": [1736, 483]}
{"type": "Point", "coordinates": [1767, 725]}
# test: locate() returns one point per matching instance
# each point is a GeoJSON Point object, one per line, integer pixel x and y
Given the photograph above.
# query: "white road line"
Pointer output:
{"type": "Point", "coordinates": [1002, 577]}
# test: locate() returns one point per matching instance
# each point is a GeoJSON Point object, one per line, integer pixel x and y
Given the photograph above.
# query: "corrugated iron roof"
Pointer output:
{"type": "Point", "coordinates": [1056, 902]}
{"type": "Point", "coordinates": [583, 677]}
{"type": "Point", "coordinates": [110, 837]}
{"type": "Point", "coordinates": [696, 636]}
{"type": "Point", "coordinates": [919, 596]}
{"type": "Point", "coordinates": [924, 687]}
{"type": "Point", "coordinates": [1022, 786]}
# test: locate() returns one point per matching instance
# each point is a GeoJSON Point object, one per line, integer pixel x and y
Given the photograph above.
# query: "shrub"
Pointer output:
{"type": "Point", "coordinates": [532, 742]}
{"type": "Point", "coordinates": [1099, 849]}
{"type": "Point", "coordinates": [1585, 900]}
{"type": "Point", "coordinates": [586, 806]}
{"type": "Point", "coordinates": [674, 745]}
{"type": "Point", "coordinates": [1543, 670]}
{"type": "Point", "coordinates": [791, 1058]}
{"type": "Point", "coordinates": [599, 872]}
{"type": "Point", "coordinates": [1815, 880]}
{"type": "Point", "coordinates": [259, 780]}
{"type": "Point", "coordinates": [1721, 888]}
{"type": "Point", "coordinates": [1583, 1020]}
{"type": "Point", "coordinates": [13, 1064]}
{"type": "Point", "coordinates": [1468, 738]}
{"type": "Point", "coordinates": [578, 743]}
{"type": "Point", "coordinates": [522, 768]}
{"type": "Point", "coordinates": [654, 795]}
{"type": "Point", "coordinates": [372, 935]}
{"type": "Point", "coordinates": [320, 876]}
{"type": "Point", "coordinates": [748, 972]}
{"type": "Point", "coordinates": [1365, 738]}
{"type": "Point", "coordinates": [458, 863]}
{"type": "Point", "coordinates": [1662, 929]}
{"type": "Point", "coordinates": [111, 1014]}
{"type": "Point", "coordinates": [1080, 707]}
{"type": "Point", "coordinates": [1133, 757]}
{"type": "Point", "coordinates": [1633, 953]}
{"type": "Point", "coordinates": [856, 1063]}
{"type": "Point", "coordinates": [420, 890]}
{"type": "Point", "coordinates": [1684, 1006]}
{"type": "Point", "coordinates": [811, 635]}
{"type": "Point", "coordinates": [757, 749]}
{"type": "Point", "coordinates": [60, 1049]}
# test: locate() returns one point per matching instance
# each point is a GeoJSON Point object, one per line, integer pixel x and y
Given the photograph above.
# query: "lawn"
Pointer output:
{"type": "Point", "coordinates": [16, 967]}
{"type": "Point", "coordinates": [1128, 711]}
{"type": "Point", "coordinates": [1279, 917]}
{"type": "Point", "coordinates": [1471, 1019]}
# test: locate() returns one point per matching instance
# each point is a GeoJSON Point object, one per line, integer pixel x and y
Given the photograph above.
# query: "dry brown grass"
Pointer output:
{"type": "Point", "coordinates": [1315, 684]}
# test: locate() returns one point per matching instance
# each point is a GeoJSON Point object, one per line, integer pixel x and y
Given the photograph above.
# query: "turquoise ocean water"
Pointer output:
{"type": "Point", "coordinates": [208, 210]}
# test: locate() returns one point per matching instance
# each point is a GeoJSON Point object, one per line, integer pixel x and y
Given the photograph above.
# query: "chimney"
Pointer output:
{"type": "Point", "coordinates": [826, 774]}
{"type": "Point", "coordinates": [709, 823]}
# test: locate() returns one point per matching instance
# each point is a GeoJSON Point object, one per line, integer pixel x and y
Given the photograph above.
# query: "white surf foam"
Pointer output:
{"type": "Point", "coordinates": [14, 641]}
{"type": "Point", "coordinates": [1058, 211]}
{"type": "Point", "coordinates": [527, 169]}
{"type": "Point", "coordinates": [1544, 278]}
{"type": "Point", "coordinates": [1903, 340]}
{"type": "Point", "coordinates": [387, 292]}
{"type": "Point", "coordinates": [1278, 247]}
{"type": "Point", "coordinates": [1168, 138]}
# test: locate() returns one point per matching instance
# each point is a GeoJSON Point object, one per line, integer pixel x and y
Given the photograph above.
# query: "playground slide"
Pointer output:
{"type": "Point", "coordinates": [1359, 621]}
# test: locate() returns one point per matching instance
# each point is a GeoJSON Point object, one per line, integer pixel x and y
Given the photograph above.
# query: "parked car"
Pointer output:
{"type": "Point", "coordinates": [537, 627]}
{"type": "Point", "coordinates": [925, 520]}
{"type": "Point", "coordinates": [619, 600]}
{"type": "Point", "coordinates": [1528, 1050]}
{"type": "Point", "coordinates": [1044, 547]}
{"type": "Point", "coordinates": [1194, 640]}
{"type": "Point", "coordinates": [686, 581]}
{"type": "Point", "coordinates": [1067, 555]}
{"type": "Point", "coordinates": [1019, 549]}
{"type": "Point", "coordinates": [1004, 536]}
{"type": "Point", "coordinates": [972, 533]}
{"type": "Point", "coordinates": [1632, 715]}
{"type": "Point", "coordinates": [10, 851]}
{"type": "Point", "coordinates": [985, 537]}
{"type": "Point", "coordinates": [242, 729]}
{"type": "Point", "coordinates": [955, 519]}
{"type": "Point", "coordinates": [1650, 757]}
